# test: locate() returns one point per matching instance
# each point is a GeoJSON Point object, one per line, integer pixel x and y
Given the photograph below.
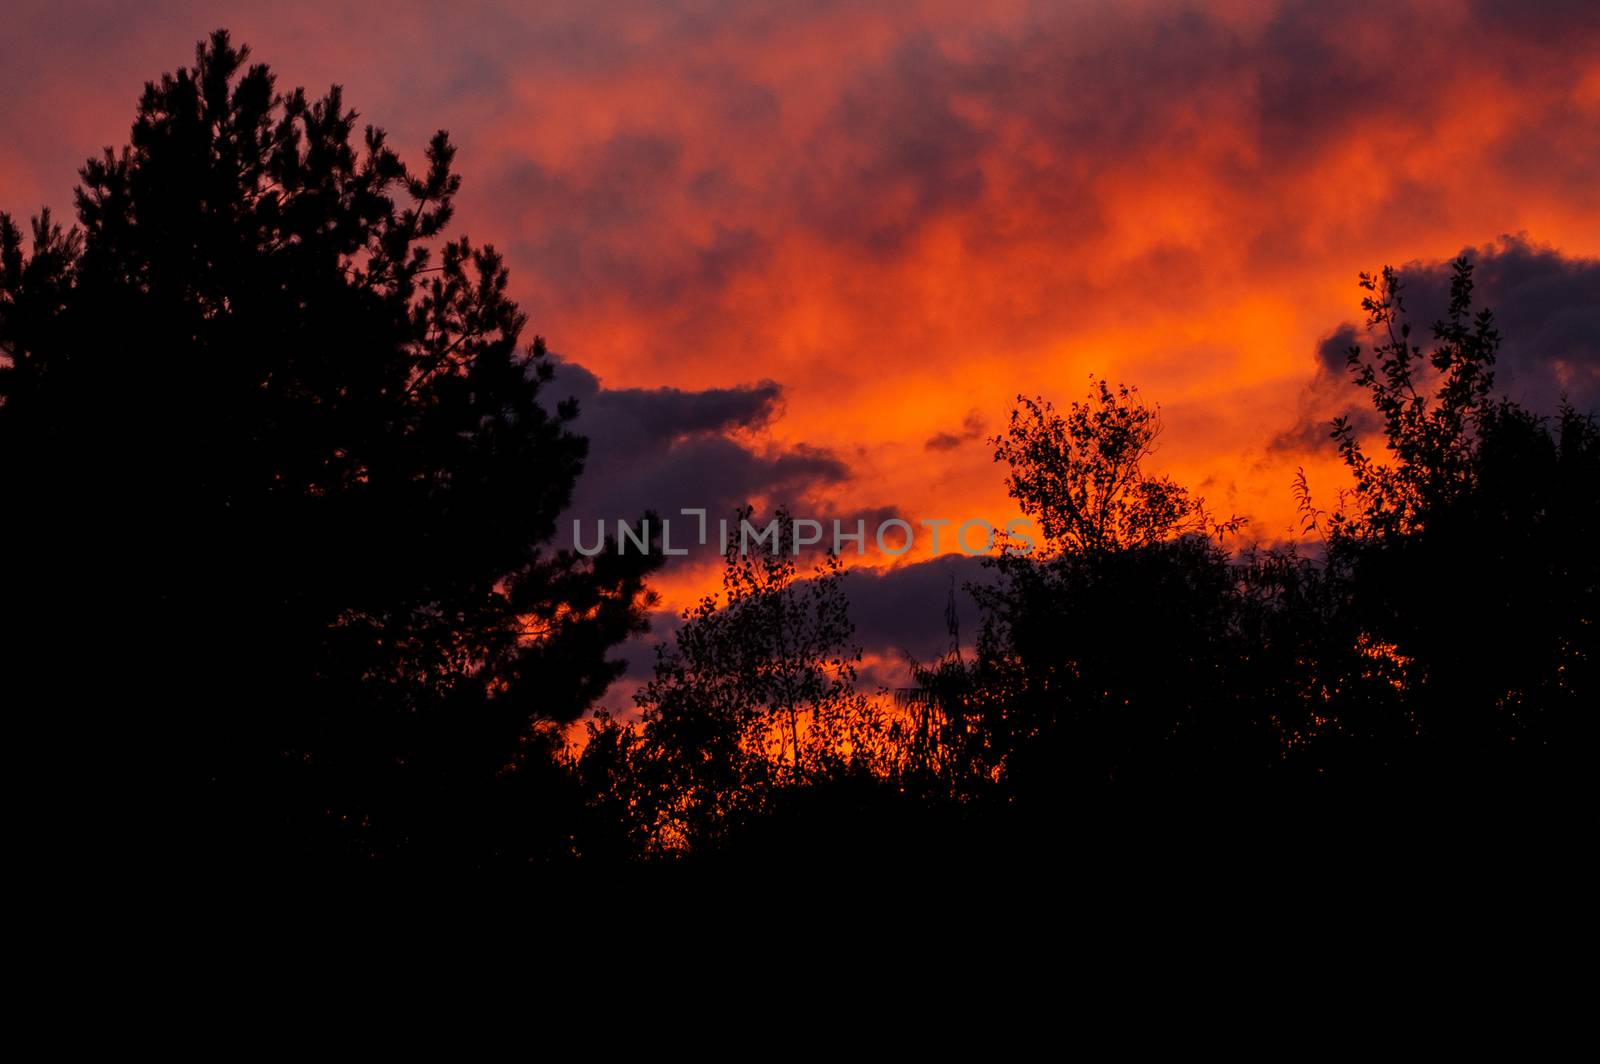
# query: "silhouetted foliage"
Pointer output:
{"type": "Point", "coordinates": [1082, 476]}
{"type": "Point", "coordinates": [280, 466]}
{"type": "Point", "coordinates": [1469, 554]}
{"type": "Point", "coordinates": [1101, 656]}
{"type": "Point", "coordinates": [756, 694]}
{"type": "Point", "coordinates": [951, 736]}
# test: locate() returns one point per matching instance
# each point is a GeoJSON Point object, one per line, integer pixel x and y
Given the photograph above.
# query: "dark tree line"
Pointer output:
{"type": "Point", "coordinates": [279, 476]}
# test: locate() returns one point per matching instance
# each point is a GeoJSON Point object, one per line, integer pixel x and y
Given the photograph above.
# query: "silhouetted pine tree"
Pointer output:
{"type": "Point", "coordinates": [277, 468]}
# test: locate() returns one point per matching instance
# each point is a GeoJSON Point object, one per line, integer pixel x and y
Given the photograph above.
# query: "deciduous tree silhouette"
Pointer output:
{"type": "Point", "coordinates": [278, 466]}
{"type": "Point", "coordinates": [1102, 647]}
{"type": "Point", "coordinates": [757, 694]}
{"type": "Point", "coordinates": [1083, 476]}
{"type": "Point", "coordinates": [1469, 551]}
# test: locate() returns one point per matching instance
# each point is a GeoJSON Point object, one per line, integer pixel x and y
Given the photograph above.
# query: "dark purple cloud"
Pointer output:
{"type": "Point", "coordinates": [1546, 307]}
{"type": "Point", "coordinates": [972, 428]}
{"type": "Point", "coordinates": [670, 449]}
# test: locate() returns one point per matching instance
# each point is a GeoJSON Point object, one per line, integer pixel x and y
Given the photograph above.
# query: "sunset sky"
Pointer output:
{"type": "Point", "coordinates": [810, 252]}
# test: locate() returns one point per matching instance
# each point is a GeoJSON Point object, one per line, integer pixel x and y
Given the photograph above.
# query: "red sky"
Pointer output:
{"type": "Point", "coordinates": [904, 214]}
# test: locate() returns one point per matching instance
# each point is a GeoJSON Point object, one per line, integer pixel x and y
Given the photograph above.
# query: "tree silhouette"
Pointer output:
{"type": "Point", "coordinates": [282, 466]}
{"type": "Point", "coordinates": [1097, 656]}
{"type": "Point", "coordinates": [963, 715]}
{"type": "Point", "coordinates": [1432, 437]}
{"type": "Point", "coordinates": [756, 693]}
{"type": "Point", "coordinates": [1082, 475]}
{"type": "Point", "coordinates": [1469, 551]}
